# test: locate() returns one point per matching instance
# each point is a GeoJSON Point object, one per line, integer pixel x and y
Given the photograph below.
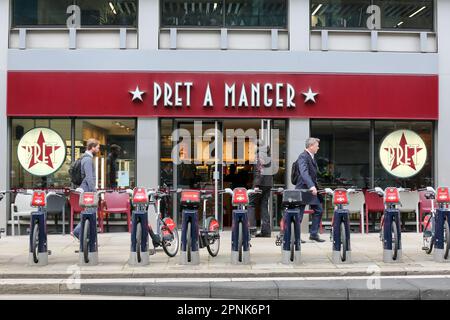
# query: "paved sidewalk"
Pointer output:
{"type": "Point", "coordinates": [265, 260]}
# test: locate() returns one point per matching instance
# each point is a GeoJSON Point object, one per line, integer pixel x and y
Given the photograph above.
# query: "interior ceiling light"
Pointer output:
{"type": "Point", "coordinates": [112, 8]}
{"type": "Point", "coordinates": [317, 9]}
{"type": "Point", "coordinates": [417, 11]}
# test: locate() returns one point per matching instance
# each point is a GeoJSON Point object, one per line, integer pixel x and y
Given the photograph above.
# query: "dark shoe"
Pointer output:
{"type": "Point", "coordinates": [316, 238]}
{"type": "Point", "coordinates": [302, 241]}
{"type": "Point", "coordinates": [263, 235]}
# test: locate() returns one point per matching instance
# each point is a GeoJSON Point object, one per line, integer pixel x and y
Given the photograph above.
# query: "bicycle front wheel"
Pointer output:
{"type": "Point", "coordinates": [344, 244]}
{"type": "Point", "coordinates": [446, 239]}
{"type": "Point", "coordinates": [35, 243]}
{"type": "Point", "coordinates": [395, 240]}
{"type": "Point", "coordinates": [86, 240]}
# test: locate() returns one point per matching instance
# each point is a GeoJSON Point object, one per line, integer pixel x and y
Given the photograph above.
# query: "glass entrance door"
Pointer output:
{"type": "Point", "coordinates": [197, 153]}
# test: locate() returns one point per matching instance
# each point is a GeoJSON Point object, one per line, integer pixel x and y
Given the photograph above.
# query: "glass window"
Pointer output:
{"type": "Point", "coordinates": [424, 177]}
{"type": "Point", "coordinates": [93, 12]}
{"type": "Point", "coordinates": [352, 14]}
{"type": "Point", "coordinates": [166, 165]}
{"type": "Point", "coordinates": [406, 14]}
{"type": "Point", "coordinates": [107, 13]}
{"type": "Point", "coordinates": [219, 13]}
{"type": "Point", "coordinates": [39, 12]}
{"type": "Point", "coordinates": [116, 163]}
{"type": "Point", "coordinates": [344, 154]}
{"type": "Point", "coordinates": [20, 178]}
{"type": "Point", "coordinates": [339, 14]}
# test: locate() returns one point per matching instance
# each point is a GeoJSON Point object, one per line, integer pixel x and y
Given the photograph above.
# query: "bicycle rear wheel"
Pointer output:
{"type": "Point", "coordinates": [428, 238]}
{"type": "Point", "coordinates": [170, 238]}
{"type": "Point", "coordinates": [212, 226]}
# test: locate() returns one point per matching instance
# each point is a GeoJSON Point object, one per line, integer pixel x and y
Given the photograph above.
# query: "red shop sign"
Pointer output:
{"type": "Point", "coordinates": [225, 95]}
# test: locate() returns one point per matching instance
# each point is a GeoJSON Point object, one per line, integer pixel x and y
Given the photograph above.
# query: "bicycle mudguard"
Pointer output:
{"type": "Point", "coordinates": [389, 216]}
{"type": "Point", "coordinates": [339, 216]}
{"type": "Point", "coordinates": [240, 215]}
{"type": "Point", "coordinates": [440, 217]}
{"type": "Point", "coordinates": [189, 215]}
{"type": "Point", "coordinates": [288, 216]}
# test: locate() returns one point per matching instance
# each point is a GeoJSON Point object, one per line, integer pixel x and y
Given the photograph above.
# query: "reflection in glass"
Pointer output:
{"type": "Point", "coordinates": [219, 13]}
{"type": "Point", "coordinates": [352, 14]}
{"type": "Point", "coordinates": [93, 12]}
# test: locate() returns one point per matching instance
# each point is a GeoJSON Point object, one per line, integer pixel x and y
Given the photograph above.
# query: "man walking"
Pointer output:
{"type": "Point", "coordinates": [264, 181]}
{"type": "Point", "coordinates": [307, 179]}
{"type": "Point", "coordinates": [88, 174]}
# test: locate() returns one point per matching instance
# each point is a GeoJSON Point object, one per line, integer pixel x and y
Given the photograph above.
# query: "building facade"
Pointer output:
{"type": "Point", "coordinates": [177, 85]}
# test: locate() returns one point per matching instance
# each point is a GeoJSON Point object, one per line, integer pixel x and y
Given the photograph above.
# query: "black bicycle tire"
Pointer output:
{"type": "Point", "coordinates": [343, 237]}
{"type": "Point", "coordinates": [165, 247]}
{"type": "Point", "coordinates": [430, 249]}
{"type": "Point", "coordinates": [138, 241]}
{"type": "Point", "coordinates": [395, 240]}
{"type": "Point", "coordinates": [292, 241]}
{"type": "Point", "coordinates": [189, 241]}
{"type": "Point", "coordinates": [213, 253]}
{"type": "Point", "coordinates": [86, 240]}
{"type": "Point", "coordinates": [35, 242]}
{"type": "Point", "coordinates": [240, 241]}
{"type": "Point", "coordinates": [447, 239]}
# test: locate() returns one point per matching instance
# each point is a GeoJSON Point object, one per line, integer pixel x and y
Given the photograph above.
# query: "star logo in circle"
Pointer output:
{"type": "Point", "coordinates": [41, 152]}
{"type": "Point", "coordinates": [403, 153]}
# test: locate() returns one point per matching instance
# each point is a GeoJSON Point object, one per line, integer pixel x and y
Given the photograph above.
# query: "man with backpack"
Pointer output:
{"type": "Point", "coordinates": [83, 170]}
{"type": "Point", "coordinates": [304, 176]}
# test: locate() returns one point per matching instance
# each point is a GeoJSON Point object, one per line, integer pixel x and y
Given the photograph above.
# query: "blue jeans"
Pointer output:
{"type": "Point", "coordinates": [316, 217]}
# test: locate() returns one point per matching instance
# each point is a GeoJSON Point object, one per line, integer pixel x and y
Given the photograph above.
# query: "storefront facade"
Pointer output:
{"type": "Point", "coordinates": [150, 100]}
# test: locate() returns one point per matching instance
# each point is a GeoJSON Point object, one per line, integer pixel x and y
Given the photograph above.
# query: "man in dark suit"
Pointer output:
{"type": "Point", "coordinates": [307, 179]}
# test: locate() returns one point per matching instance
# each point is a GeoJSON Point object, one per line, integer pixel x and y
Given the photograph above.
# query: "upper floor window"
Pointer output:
{"type": "Point", "coordinates": [372, 14]}
{"type": "Point", "coordinates": [224, 13]}
{"type": "Point", "coordinates": [73, 13]}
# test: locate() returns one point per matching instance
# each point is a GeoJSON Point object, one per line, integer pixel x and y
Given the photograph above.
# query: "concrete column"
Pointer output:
{"type": "Point", "coordinates": [4, 160]}
{"type": "Point", "coordinates": [443, 128]}
{"type": "Point", "coordinates": [298, 25]}
{"type": "Point", "coordinates": [297, 133]}
{"type": "Point", "coordinates": [148, 24]}
{"type": "Point", "coordinates": [147, 152]}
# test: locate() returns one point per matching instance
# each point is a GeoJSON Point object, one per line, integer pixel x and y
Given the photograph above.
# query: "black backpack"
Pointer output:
{"type": "Point", "coordinates": [295, 173]}
{"type": "Point", "coordinates": [75, 172]}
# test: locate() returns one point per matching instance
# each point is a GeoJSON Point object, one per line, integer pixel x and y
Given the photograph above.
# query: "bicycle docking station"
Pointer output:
{"type": "Point", "coordinates": [38, 252]}
{"type": "Point", "coordinates": [139, 255]}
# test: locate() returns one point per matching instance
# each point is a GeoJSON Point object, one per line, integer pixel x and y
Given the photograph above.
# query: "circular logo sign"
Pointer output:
{"type": "Point", "coordinates": [41, 151]}
{"type": "Point", "coordinates": [403, 153]}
